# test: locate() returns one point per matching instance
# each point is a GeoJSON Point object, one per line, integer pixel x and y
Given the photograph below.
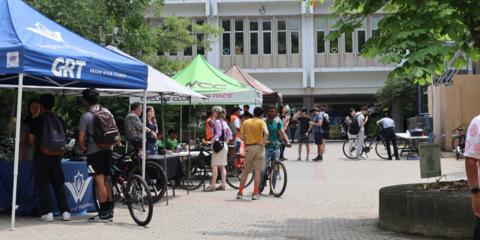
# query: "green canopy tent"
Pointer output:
{"type": "Point", "coordinates": [219, 88]}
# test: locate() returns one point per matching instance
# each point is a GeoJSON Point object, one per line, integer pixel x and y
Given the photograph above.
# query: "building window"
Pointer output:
{"type": "Point", "coordinates": [173, 53]}
{"type": "Point", "coordinates": [239, 37]}
{"type": "Point", "coordinates": [189, 50]}
{"type": "Point", "coordinates": [226, 36]}
{"type": "Point", "coordinates": [267, 35]}
{"type": "Point", "coordinates": [253, 36]}
{"type": "Point", "coordinates": [334, 43]}
{"type": "Point", "coordinates": [295, 35]}
{"type": "Point", "coordinates": [361, 37]}
{"type": "Point", "coordinates": [282, 35]}
{"type": "Point", "coordinates": [200, 50]}
{"type": "Point", "coordinates": [320, 28]}
{"type": "Point", "coordinates": [159, 23]}
{"type": "Point", "coordinates": [375, 20]}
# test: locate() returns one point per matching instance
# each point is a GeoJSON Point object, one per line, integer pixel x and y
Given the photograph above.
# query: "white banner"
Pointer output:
{"type": "Point", "coordinates": [214, 98]}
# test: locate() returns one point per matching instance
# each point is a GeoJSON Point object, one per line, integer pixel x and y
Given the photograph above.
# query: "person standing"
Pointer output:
{"type": "Point", "coordinates": [48, 168]}
{"type": "Point", "coordinates": [235, 119]}
{"type": "Point", "coordinates": [25, 148]}
{"type": "Point", "coordinates": [219, 159]}
{"type": "Point", "coordinates": [245, 113]}
{"type": "Point", "coordinates": [325, 132]}
{"type": "Point", "coordinates": [99, 159]}
{"type": "Point", "coordinates": [232, 143]}
{"type": "Point", "coordinates": [305, 128]}
{"type": "Point", "coordinates": [362, 120]}
{"type": "Point", "coordinates": [389, 135]}
{"type": "Point", "coordinates": [152, 125]}
{"type": "Point", "coordinates": [209, 126]}
{"type": "Point", "coordinates": [134, 127]}
{"type": "Point", "coordinates": [318, 132]}
{"type": "Point", "coordinates": [285, 119]}
{"type": "Point", "coordinates": [348, 120]}
{"type": "Point", "coordinates": [472, 163]}
{"type": "Point", "coordinates": [292, 125]}
{"type": "Point", "coordinates": [255, 134]}
{"type": "Point", "coordinates": [275, 130]}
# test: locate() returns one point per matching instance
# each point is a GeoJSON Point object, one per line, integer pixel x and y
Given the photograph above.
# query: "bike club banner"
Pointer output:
{"type": "Point", "coordinates": [242, 97]}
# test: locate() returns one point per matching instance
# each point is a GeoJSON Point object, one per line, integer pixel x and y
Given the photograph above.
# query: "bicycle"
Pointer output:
{"type": "Point", "coordinates": [275, 174]}
{"type": "Point", "coordinates": [458, 141]}
{"type": "Point", "coordinates": [72, 151]}
{"type": "Point", "coordinates": [196, 167]}
{"type": "Point", "coordinates": [380, 147]}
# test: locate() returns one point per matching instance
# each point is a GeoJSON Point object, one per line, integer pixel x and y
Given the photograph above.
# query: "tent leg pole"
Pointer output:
{"type": "Point", "coordinates": [180, 123]}
{"type": "Point", "coordinates": [164, 144]}
{"type": "Point", "coordinates": [144, 133]}
{"type": "Point", "coordinates": [189, 138]}
{"type": "Point", "coordinates": [11, 123]}
{"type": "Point", "coordinates": [17, 146]}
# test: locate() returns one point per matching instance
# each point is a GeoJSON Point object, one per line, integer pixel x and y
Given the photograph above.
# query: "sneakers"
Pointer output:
{"type": "Point", "coordinates": [397, 158]}
{"type": "Point", "coordinates": [239, 195]}
{"type": "Point", "coordinates": [255, 196]}
{"type": "Point", "coordinates": [318, 159]}
{"type": "Point", "coordinates": [101, 217]}
{"type": "Point", "coordinates": [47, 217]}
{"type": "Point", "coordinates": [110, 215]}
{"type": "Point", "coordinates": [306, 159]}
{"type": "Point", "coordinates": [299, 159]}
{"type": "Point", "coordinates": [360, 157]}
{"type": "Point", "coordinates": [66, 216]}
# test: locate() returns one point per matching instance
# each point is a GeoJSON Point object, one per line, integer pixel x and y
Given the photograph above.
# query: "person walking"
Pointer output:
{"type": "Point", "coordinates": [389, 135]}
{"type": "Point", "coordinates": [99, 159]}
{"type": "Point", "coordinates": [348, 120]}
{"type": "Point", "coordinates": [219, 159]}
{"type": "Point", "coordinates": [318, 132]}
{"type": "Point", "coordinates": [152, 125]}
{"type": "Point", "coordinates": [285, 119]}
{"type": "Point", "coordinates": [362, 120]}
{"type": "Point", "coordinates": [25, 148]}
{"type": "Point", "coordinates": [305, 128]}
{"type": "Point", "coordinates": [292, 125]}
{"type": "Point", "coordinates": [255, 134]}
{"type": "Point", "coordinates": [472, 159]}
{"type": "Point", "coordinates": [48, 167]}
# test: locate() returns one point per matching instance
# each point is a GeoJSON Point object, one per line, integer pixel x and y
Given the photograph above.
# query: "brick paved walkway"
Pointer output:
{"type": "Point", "coordinates": [334, 199]}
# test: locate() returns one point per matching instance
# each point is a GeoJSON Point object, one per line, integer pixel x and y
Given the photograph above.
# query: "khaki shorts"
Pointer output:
{"type": "Point", "coordinates": [254, 158]}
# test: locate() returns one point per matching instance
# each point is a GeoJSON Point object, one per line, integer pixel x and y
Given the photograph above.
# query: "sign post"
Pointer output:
{"type": "Point", "coordinates": [430, 165]}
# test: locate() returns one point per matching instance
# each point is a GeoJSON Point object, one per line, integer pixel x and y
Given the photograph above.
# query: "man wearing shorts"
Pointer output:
{"type": "Point", "coordinates": [318, 132]}
{"type": "Point", "coordinates": [99, 159]}
{"type": "Point", "coordinates": [305, 127]}
{"type": "Point", "coordinates": [255, 134]}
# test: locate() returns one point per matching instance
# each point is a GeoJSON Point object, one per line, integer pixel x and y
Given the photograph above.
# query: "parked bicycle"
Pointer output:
{"type": "Point", "coordinates": [275, 174]}
{"type": "Point", "coordinates": [458, 142]}
{"type": "Point", "coordinates": [380, 146]}
{"type": "Point", "coordinates": [199, 166]}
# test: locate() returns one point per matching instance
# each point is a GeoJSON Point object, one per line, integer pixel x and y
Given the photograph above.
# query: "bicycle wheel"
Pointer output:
{"type": "Point", "coordinates": [350, 151]}
{"type": "Point", "coordinates": [155, 178]}
{"type": "Point", "coordinates": [381, 149]}
{"type": "Point", "coordinates": [197, 173]}
{"type": "Point", "coordinates": [235, 174]}
{"type": "Point", "coordinates": [95, 196]}
{"type": "Point", "coordinates": [278, 179]}
{"type": "Point", "coordinates": [139, 200]}
{"type": "Point", "coordinates": [455, 143]}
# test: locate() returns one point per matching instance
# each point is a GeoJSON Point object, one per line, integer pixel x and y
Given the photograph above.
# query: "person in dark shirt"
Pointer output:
{"type": "Point", "coordinates": [305, 127]}
{"type": "Point", "coordinates": [48, 169]}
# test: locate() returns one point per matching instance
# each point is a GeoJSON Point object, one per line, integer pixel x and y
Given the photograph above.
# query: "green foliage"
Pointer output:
{"type": "Point", "coordinates": [400, 90]}
{"type": "Point", "coordinates": [414, 32]}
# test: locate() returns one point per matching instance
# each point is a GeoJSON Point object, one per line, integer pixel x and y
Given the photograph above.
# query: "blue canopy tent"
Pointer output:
{"type": "Point", "coordinates": [39, 55]}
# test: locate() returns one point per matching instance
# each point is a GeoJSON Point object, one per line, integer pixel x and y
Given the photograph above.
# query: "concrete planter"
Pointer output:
{"type": "Point", "coordinates": [405, 209]}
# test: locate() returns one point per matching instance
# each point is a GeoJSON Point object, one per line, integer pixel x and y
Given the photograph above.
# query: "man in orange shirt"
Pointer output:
{"type": "Point", "coordinates": [255, 134]}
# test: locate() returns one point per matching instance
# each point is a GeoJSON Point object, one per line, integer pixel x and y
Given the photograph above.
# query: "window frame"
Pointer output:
{"type": "Point", "coordinates": [286, 35]}
{"type": "Point", "coordinates": [197, 34]}
{"type": "Point", "coordinates": [242, 53]}
{"type": "Point", "coordinates": [263, 36]}
{"type": "Point", "coordinates": [371, 24]}
{"type": "Point", "coordinates": [364, 29]}
{"type": "Point", "coordinates": [338, 39]}
{"type": "Point", "coordinates": [229, 36]}
{"type": "Point", "coordinates": [250, 36]}
{"type": "Point", "coordinates": [324, 30]}
{"type": "Point", "coordinates": [299, 36]}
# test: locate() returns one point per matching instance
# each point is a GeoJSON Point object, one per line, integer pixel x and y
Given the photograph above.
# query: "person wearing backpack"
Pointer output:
{"type": "Point", "coordinates": [361, 120]}
{"type": "Point", "coordinates": [318, 131]}
{"type": "Point", "coordinates": [47, 135]}
{"type": "Point", "coordinates": [325, 128]}
{"type": "Point", "coordinates": [346, 127]}
{"type": "Point", "coordinates": [98, 125]}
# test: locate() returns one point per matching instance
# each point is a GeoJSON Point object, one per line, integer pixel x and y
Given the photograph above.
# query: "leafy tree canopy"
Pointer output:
{"type": "Point", "coordinates": [400, 90]}
{"type": "Point", "coordinates": [414, 33]}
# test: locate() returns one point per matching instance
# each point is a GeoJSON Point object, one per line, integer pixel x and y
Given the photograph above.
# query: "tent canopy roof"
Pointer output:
{"type": "Point", "coordinates": [203, 77]}
{"type": "Point", "coordinates": [51, 55]}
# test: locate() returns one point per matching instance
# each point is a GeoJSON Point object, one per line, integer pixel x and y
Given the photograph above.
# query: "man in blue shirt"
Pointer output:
{"type": "Point", "coordinates": [275, 127]}
{"type": "Point", "coordinates": [318, 132]}
{"type": "Point", "coordinates": [389, 135]}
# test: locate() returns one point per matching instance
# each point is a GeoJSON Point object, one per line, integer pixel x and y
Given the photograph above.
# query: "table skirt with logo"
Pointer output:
{"type": "Point", "coordinates": [78, 187]}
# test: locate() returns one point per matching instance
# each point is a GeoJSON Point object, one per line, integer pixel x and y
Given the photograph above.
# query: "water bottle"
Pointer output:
{"type": "Point", "coordinates": [178, 148]}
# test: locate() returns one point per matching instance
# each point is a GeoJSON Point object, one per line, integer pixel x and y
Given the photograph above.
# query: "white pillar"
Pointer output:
{"type": "Point", "coordinates": [17, 146]}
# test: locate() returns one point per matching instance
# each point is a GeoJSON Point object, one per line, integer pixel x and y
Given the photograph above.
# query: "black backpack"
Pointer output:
{"type": "Point", "coordinates": [53, 137]}
{"type": "Point", "coordinates": [325, 124]}
{"type": "Point", "coordinates": [354, 126]}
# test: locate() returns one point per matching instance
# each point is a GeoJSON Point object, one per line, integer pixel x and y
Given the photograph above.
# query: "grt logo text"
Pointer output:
{"type": "Point", "coordinates": [206, 85]}
{"type": "Point", "coordinates": [68, 67]}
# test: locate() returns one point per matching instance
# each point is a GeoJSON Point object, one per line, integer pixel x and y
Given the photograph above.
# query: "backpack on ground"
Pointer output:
{"type": "Point", "coordinates": [354, 126]}
{"type": "Point", "coordinates": [52, 142]}
{"type": "Point", "coordinates": [325, 124]}
{"type": "Point", "coordinates": [105, 132]}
